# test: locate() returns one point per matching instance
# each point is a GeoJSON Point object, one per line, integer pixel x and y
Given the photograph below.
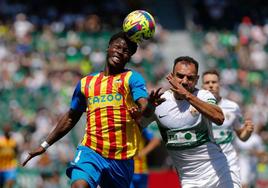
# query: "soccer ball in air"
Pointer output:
{"type": "Point", "coordinates": [139, 25]}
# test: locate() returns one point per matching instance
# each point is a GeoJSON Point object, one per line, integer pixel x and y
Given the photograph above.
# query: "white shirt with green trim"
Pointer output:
{"type": "Point", "coordinates": [189, 140]}
{"type": "Point", "coordinates": [225, 134]}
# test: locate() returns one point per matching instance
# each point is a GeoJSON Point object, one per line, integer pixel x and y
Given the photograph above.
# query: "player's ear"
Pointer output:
{"type": "Point", "coordinates": [109, 45]}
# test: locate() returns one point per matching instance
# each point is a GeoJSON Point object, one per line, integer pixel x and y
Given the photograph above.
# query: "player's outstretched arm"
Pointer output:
{"type": "Point", "coordinates": [65, 124]}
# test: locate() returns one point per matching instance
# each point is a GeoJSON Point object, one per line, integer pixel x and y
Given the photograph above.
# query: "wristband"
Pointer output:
{"type": "Point", "coordinates": [45, 145]}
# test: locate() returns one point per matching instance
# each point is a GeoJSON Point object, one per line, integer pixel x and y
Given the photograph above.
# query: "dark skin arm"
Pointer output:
{"type": "Point", "coordinates": [146, 106]}
{"type": "Point", "coordinates": [65, 124]}
{"type": "Point", "coordinates": [69, 120]}
{"type": "Point", "coordinates": [212, 112]}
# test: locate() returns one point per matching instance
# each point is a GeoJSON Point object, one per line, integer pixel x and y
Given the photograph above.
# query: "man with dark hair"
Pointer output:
{"type": "Point", "coordinates": [104, 156]}
{"type": "Point", "coordinates": [184, 120]}
{"type": "Point", "coordinates": [224, 135]}
{"type": "Point", "coordinates": [186, 60]}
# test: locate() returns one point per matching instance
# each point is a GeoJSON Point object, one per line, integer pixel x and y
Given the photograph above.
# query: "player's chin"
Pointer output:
{"type": "Point", "coordinates": [113, 62]}
{"type": "Point", "coordinates": [213, 92]}
{"type": "Point", "coordinates": [117, 65]}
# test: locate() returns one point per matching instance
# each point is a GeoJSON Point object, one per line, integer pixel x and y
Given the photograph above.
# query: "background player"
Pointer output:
{"type": "Point", "coordinates": [224, 135]}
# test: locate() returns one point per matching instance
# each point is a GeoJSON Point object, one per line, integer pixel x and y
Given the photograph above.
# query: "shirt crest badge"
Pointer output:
{"type": "Point", "coordinates": [118, 85]}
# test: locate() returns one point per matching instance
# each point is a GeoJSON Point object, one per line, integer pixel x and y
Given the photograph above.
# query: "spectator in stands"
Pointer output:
{"type": "Point", "coordinates": [22, 26]}
{"type": "Point", "coordinates": [93, 24]}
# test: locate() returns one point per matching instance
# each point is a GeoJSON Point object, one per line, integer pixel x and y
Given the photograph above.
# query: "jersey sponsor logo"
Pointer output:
{"type": "Point", "coordinates": [222, 135]}
{"type": "Point", "coordinates": [183, 137]}
{"type": "Point", "coordinates": [106, 100]}
{"type": "Point", "coordinates": [161, 116]}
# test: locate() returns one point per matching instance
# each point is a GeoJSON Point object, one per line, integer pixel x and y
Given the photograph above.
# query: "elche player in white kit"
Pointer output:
{"type": "Point", "coordinates": [184, 119]}
{"type": "Point", "coordinates": [232, 125]}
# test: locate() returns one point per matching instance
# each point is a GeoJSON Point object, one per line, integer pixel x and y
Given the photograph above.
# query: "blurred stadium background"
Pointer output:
{"type": "Point", "coordinates": [46, 46]}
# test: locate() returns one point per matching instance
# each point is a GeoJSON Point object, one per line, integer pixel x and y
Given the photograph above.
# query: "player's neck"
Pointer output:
{"type": "Point", "coordinates": [108, 71]}
{"type": "Point", "coordinates": [218, 98]}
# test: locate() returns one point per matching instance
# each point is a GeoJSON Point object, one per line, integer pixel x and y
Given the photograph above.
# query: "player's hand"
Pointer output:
{"type": "Point", "coordinates": [176, 87]}
{"type": "Point", "coordinates": [34, 153]}
{"type": "Point", "coordinates": [249, 126]}
{"type": "Point", "coordinates": [135, 112]}
{"type": "Point", "coordinates": [155, 97]}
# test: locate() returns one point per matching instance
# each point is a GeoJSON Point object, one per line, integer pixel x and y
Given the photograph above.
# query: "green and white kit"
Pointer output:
{"type": "Point", "coordinates": [225, 134]}
{"type": "Point", "coordinates": [190, 143]}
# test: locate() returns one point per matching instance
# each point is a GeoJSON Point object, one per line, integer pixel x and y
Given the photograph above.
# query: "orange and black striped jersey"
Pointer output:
{"type": "Point", "coordinates": [7, 153]}
{"type": "Point", "coordinates": [110, 130]}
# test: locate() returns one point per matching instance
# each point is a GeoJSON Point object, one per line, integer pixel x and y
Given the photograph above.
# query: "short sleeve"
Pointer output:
{"type": "Point", "coordinates": [138, 86]}
{"type": "Point", "coordinates": [206, 96]}
{"type": "Point", "coordinates": [238, 118]}
{"type": "Point", "coordinates": [155, 130]}
{"type": "Point", "coordinates": [147, 134]}
{"type": "Point", "coordinates": [78, 100]}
